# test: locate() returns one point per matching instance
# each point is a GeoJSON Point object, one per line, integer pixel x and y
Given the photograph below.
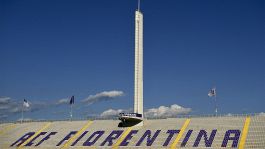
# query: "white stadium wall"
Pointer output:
{"type": "Point", "coordinates": [198, 132]}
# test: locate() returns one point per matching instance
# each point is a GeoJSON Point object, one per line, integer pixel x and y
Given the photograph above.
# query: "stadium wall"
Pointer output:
{"type": "Point", "coordinates": [195, 132]}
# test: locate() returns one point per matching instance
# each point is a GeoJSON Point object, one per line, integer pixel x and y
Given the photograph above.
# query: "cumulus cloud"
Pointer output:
{"type": "Point", "coordinates": [4, 107]}
{"type": "Point", "coordinates": [103, 96]}
{"type": "Point", "coordinates": [164, 111]}
{"type": "Point", "coordinates": [5, 103]}
{"type": "Point", "coordinates": [4, 100]}
{"type": "Point", "coordinates": [9, 106]}
{"type": "Point", "coordinates": [62, 101]}
{"type": "Point", "coordinates": [161, 111]}
{"type": "Point", "coordinates": [111, 113]}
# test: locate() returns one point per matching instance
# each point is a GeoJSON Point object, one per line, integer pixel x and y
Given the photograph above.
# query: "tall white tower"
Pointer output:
{"type": "Point", "coordinates": [138, 66]}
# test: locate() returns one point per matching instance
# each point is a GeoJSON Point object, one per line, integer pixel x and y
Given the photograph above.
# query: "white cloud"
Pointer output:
{"type": "Point", "coordinates": [103, 96]}
{"type": "Point", "coordinates": [111, 113]}
{"type": "Point", "coordinates": [4, 107]}
{"type": "Point", "coordinates": [164, 111]}
{"type": "Point", "coordinates": [15, 110]}
{"type": "Point", "coordinates": [62, 101]}
{"type": "Point", "coordinates": [10, 106]}
{"type": "Point", "coordinates": [161, 111]}
{"type": "Point", "coordinates": [4, 100]}
{"type": "Point", "coordinates": [261, 114]}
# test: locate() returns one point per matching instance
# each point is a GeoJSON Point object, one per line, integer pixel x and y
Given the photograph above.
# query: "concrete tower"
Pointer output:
{"type": "Point", "coordinates": [138, 66]}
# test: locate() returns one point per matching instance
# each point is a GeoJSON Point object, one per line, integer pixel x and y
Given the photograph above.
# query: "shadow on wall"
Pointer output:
{"type": "Point", "coordinates": [128, 123]}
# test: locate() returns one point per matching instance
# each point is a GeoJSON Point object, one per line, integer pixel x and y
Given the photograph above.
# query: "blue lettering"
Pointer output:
{"type": "Point", "coordinates": [208, 142]}
{"type": "Point", "coordinates": [31, 141]}
{"type": "Point", "coordinates": [149, 139]}
{"type": "Point", "coordinates": [231, 136]}
{"type": "Point", "coordinates": [46, 138]}
{"type": "Point", "coordinates": [79, 138]}
{"type": "Point", "coordinates": [23, 138]}
{"type": "Point", "coordinates": [88, 142]}
{"type": "Point", "coordinates": [128, 137]}
{"type": "Point", "coordinates": [186, 139]}
{"type": "Point", "coordinates": [171, 134]}
{"type": "Point", "coordinates": [109, 139]}
{"type": "Point", "coordinates": [235, 138]}
{"type": "Point", "coordinates": [67, 137]}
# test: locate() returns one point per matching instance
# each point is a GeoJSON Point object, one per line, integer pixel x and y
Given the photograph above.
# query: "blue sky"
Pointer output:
{"type": "Point", "coordinates": [51, 50]}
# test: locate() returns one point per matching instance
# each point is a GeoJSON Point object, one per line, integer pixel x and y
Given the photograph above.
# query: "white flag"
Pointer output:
{"type": "Point", "coordinates": [25, 103]}
{"type": "Point", "coordinates": [212, 93]}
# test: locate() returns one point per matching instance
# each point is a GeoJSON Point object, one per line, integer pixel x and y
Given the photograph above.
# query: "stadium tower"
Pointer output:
{"type": "Point", "coordinates": [138, 66]}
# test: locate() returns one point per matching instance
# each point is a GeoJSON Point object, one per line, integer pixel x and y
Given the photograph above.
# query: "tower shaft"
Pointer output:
{"type": "Point", "coordinates": [138, 70]}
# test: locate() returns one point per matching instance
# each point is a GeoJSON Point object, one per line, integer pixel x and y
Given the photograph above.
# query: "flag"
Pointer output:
{"type": "Point", "coordinates": [26, 103]}
{"type": "Point", "coordinates": [212, 92]}
{"type": "Point", "coordinates": [72, 100]}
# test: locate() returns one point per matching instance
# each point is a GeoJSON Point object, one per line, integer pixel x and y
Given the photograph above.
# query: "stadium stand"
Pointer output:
{"type": "Point", "coordinates": [184, 132]}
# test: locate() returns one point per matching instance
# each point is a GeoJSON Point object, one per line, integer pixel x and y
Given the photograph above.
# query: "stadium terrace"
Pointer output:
{"type": "Point", "coordinates": [192, 132]}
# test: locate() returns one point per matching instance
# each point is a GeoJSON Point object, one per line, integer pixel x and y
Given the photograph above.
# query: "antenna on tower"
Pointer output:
{"type": "Point", "coordinates": [139, 2]}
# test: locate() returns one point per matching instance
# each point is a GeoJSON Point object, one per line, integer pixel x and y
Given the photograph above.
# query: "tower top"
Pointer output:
{"type": "Point", "coordinates": [139, 4]}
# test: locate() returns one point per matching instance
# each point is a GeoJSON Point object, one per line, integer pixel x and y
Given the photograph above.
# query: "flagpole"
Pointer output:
{"type": "Point", "coordinates": [22, 116]}
{"type": "Point", "coordinates": [139, 3]}
{"type": "Point", "coordinates": [215, 100]}
{"type": "Point", "coordinates": [71, 112]}
{"type": "Point", "coordinates": [71, 104]}
{"type": "Point", "coordinates": [215, 105]}
{"type": "Point", "coordinates": [211, 94]}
